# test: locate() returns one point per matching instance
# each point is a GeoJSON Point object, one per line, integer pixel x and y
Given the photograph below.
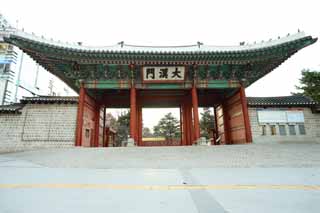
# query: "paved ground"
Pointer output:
{"type": "Point", "coordinates": [243, 178]}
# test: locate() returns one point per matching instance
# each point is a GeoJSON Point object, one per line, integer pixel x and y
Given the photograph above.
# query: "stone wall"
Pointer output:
{"type": "Point", "coordinates": [38, 125]}
{"type": "Point", "coordinates": [311, 124]}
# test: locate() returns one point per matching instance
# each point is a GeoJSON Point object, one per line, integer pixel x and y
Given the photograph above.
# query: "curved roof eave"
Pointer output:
{"type": "Point", "coordinates": [186, 49]}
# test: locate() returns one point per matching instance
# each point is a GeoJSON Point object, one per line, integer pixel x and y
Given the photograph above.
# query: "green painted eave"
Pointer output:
{"type": "Point", "coordinates": [227, 67]}
{"type": "Point", "coordinates": [119, 57]}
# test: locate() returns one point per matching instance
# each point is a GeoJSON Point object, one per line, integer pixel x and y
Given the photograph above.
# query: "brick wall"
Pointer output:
{"type": "Point", "coordinates": [312, 128]}
{"type": "Point", "coordinates": [38, 125]}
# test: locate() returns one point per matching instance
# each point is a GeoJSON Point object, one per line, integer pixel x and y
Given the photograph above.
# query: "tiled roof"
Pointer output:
{"type": "Point", "coordinates": [50, 99]}
{"type": "Point", "coordinates": [72, 62]}
{"type": "Point", "coordinates": [13, 108]}
{"type": "Point", "coordinates": [122, 47]}
{"type": "Point", "coordinates": [293, 100]}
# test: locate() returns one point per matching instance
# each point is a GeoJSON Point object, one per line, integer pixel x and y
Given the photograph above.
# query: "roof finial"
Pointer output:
{"type": "Point", "coordinates": [199, 44]}
{"type": "Point", "coordinates": [121, 43]}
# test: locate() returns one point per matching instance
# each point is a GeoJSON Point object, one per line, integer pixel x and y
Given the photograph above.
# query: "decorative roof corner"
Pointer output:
{"type": "Point", "coordinates": [127, 48]}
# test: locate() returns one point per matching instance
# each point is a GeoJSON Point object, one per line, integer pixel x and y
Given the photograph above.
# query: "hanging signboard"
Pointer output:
{"type": "Point", "coordinates": [295, 116]}
{"type": "Point", "coordinates": [272, 116]}
{"type": "Point", "coordinates": [163, 74]}
{"type": "Point", "coordinates": [280, 116]}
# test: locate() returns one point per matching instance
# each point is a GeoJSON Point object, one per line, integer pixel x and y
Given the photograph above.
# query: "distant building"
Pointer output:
{"type": "Point", "coordinates": [22, 76]}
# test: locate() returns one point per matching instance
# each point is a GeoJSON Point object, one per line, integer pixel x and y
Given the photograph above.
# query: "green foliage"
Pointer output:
{"type": "Point", "coordinates": [111, 121]}
{"type": "Point", "coordinates": [206, 122]}
{"type": "Point", "coordinates": [310, 84]}
{"type": "Point", "coordinates": [123, 129]}
{"type": "Point", "coordinates": [146, 132]}
{"type": "Point", "coordinates": [168, 127]}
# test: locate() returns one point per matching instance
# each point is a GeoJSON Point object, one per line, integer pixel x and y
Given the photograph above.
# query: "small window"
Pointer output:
{"type": "Point", "coordinates": [302, 129]}
{"type": "Point", "coordinates": [282, 130]}
{"type": "Point", "coordinates": [292, 130]}
{"type": "Point", "coordinates": [87, 134]}
{"type": "Point", "coordinates": [264, 130]}
{"type": "Point", "coordinates": [273, 130]}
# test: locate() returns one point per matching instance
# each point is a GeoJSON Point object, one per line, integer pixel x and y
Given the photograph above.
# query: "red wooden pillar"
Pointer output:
{"type": "Point", "coordinates": [226, 124]}
{"type": "Point", "coordinates": [107, 137]}
{"type": "Point", "coordinates": [215, 132]}
{"type": "Point", "coordinates": [139, 125]}
{"type": "Point", "coordinates": [81, 103]}
{"type": "Point", "coordinates": [195, 113]}
{"type": "Point", "coordinates": [96, 125]}
{"type": "Point", "coordinates": [133, 113]}
{"type": "Point", "coordinates": [104, 126]}
{"type": "Point", "coordinates": [245, 113]}
{"type": "Point", "coordinates": [113, 138]}
{"type": "Point", "coordinates": [184, 123]}
{"type": "Point", "coordinates": [137, 136]}
{"type": "Point", "coordinates": [189, 123]}
{"type": "Point", "coordinates": [182, 129]}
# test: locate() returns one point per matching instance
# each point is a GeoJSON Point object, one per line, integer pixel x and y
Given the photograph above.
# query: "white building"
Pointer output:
{"type": "Point", "coordinates": [22, 76]}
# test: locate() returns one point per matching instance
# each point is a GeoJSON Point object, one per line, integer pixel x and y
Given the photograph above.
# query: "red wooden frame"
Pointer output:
{"type": "Point", "coordinates": [133, 113]}
{"type": "Point", "coordinates": [82, 94]}
{"type": "Point", "coordinates": [245, 114]}
{"type": "Point", "coordinates": [194, 96]}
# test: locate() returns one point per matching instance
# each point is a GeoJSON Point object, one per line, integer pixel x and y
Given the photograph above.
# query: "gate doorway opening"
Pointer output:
{"type": "Point", "coordinates": [231, 120]}
{"type": "Point", "coordinates": [161, 127]}
{"type": "Point", "coordinates": [116, 127]}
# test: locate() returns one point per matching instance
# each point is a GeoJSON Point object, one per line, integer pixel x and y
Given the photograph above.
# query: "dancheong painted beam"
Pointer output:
{"type": "Point", "coordinates": [112, 67]}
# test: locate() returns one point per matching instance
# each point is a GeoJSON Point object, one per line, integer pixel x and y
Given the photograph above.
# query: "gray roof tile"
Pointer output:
{"type": "Point", "coordinates": [294, 100]}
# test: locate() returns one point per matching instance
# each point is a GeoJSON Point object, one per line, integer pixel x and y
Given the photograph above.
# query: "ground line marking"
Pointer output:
{"type": "Point", "coordinates": [160, 187]}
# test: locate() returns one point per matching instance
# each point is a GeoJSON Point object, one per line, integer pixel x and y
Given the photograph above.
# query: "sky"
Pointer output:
{"type": "Point", "coordinates": [175, 22]}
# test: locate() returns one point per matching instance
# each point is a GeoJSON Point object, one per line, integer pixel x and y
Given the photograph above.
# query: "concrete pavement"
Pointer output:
{"type": "Point", "coordinates": [74, 180]}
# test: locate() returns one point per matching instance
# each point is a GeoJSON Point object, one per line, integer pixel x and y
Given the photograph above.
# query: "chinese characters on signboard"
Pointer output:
{"type": "Point", "coordinates": [157, 74]}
